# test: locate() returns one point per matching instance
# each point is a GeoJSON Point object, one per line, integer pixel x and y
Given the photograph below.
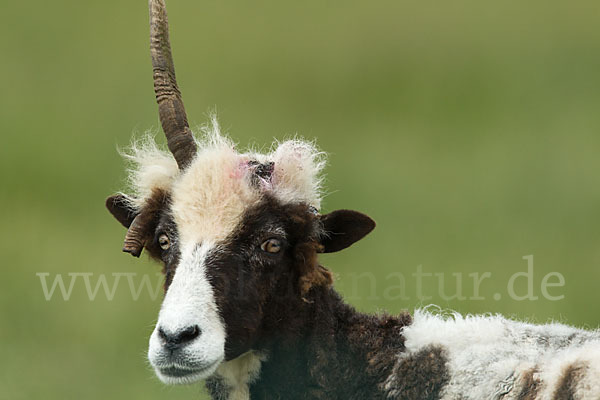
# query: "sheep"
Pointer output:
{"type": "Point", "coordinates": [249, 309]}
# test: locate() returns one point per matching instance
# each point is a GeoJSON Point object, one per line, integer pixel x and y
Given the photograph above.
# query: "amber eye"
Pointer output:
{"type": "Point", "coordinates": [271, 246]}
{"type": "Point", "coordinates": [164, 242]}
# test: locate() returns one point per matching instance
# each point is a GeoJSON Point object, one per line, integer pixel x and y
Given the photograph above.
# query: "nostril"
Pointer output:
{"type": "Point", "coordinates": [163, 335]}
{"type": "Point", "coordinates": [177, 339]}
{"type": "Point", "coordinates": [189, 334]}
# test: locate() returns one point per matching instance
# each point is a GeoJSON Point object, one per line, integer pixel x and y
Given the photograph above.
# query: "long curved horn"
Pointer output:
{"type": "Point", "coordinates": [170, 105]}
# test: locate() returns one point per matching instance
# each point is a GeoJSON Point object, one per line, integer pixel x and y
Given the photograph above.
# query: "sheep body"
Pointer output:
{"type": "Point", "coordinates": [437, 357]}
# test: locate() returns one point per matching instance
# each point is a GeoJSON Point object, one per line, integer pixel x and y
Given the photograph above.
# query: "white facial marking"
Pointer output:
{"type": "Point", "coordinates": [209, 198]}
{"type": "Point", "coordinates": [189, 302]}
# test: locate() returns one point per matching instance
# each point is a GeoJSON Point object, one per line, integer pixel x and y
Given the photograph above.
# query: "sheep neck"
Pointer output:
{"type": "Point", "coordinates": [321, 347]}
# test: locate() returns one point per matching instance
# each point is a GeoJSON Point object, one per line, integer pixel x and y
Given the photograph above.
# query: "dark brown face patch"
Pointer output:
{"type": "Point", "coordinates": [248, 281]}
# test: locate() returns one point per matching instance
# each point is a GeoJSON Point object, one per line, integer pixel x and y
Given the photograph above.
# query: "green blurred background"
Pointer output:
{"type": "Point", "coordinates": [469, 130]}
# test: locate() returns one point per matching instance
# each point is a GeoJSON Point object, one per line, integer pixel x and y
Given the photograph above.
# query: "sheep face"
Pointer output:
{"type": "Point", "coordinates": [219, 293]}
{"type": "Point", "coordinates": [237, 234]}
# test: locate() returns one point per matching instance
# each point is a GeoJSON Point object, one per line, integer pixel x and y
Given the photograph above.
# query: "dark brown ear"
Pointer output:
{"type": "Point", "coordinates": [342, 228]}
{"type": "Point", "coordinates": [118, 205]}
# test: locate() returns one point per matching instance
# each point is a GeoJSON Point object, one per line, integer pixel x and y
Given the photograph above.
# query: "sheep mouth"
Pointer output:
{"type": "Point", "coordinates": [174, 374]}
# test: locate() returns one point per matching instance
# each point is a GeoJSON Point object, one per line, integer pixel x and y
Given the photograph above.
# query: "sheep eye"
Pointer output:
{"type": "Point", "coordinates": [271, 246]}
{"type": "Point", "coordinates": [164, 242]}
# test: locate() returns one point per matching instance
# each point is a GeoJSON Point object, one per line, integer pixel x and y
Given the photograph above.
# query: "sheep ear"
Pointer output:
{"type": "Point", "coordinates": [343, 228]}
{"type": "Point", "coordinates": [119, 207]}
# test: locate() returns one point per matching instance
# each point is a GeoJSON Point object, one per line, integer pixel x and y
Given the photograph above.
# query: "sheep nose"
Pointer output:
{"type": "Point", "coordinates": [180, 338]}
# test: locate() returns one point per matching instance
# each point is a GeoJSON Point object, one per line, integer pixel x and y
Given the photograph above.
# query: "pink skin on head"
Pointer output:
{"type": "Point", "coordinates": [241, 170]}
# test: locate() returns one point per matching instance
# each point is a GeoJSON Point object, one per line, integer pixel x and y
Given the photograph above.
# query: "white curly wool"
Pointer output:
{"type": "Point", "coordinates": [208, 197]}
{"type": "Point", "coordinates": [488, 356]}
{"type": "Point", "coordinates": [150, 168]}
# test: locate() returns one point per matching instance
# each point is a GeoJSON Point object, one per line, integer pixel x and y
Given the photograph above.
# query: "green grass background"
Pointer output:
{"type": "Point", "coordinates": [469, 130]}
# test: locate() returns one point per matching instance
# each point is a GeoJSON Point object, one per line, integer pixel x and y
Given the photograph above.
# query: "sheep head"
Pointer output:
{"type": "Point", "coordinates": [234, 230]}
